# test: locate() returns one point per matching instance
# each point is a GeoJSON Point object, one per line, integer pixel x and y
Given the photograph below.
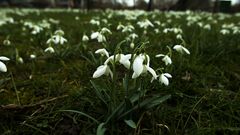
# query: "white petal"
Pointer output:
{"type": "Point", "coordinates": [102, 52]}
{"type": "Point", "coordinates": [152, 72]}
{"type": "Point", "coordinates": [94, 35]}
{"type": "Point", "coordinates": [138, 65]}
{"type": "Point", "coordinates": [108, 71]}
{"type": "Point", "coordinates": [186, 50]}
{"type": "Point", "coordinates": [160, 55]}
{"type": "Point", "coordinates": [125, 60]}
{"type": "Point", "coordinates": [177, 47]}
{"type": "Point", "coordinates": [167, 75]}
{"type": "Point", "coordinates": [3, 67]}
{"type": "Point", "coordinates": [109, 59]}
{"type": "Point", "coordinates": [167, 60]}
{"type": "Point", "coordinates": [163, 79]}
{"type": "Point", "coordinates": [100, 71]}
{"type": "Point", "coordinates": [134, 75]}
{"type": "Point", "coordinates": [3, 58]}
{"type": "Point", "coordinates": [49, 49]}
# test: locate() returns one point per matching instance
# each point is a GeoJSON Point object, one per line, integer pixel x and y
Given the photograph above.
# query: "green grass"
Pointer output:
{"type": "Point", "coordinates": [205, 88]}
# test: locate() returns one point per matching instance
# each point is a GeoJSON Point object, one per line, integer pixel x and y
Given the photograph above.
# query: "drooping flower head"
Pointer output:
{"type": "Point", "coordinates": [3, 67]}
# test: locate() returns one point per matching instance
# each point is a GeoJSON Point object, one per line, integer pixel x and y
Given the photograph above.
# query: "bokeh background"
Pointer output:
{"type": "Point", "coordinates": [230, 6]}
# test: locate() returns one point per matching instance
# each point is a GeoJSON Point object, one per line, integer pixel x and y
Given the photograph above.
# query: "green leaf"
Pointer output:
{"type": "Point", "coordinates": [131, 123]}
{"type": "Point", "coordinates": [101, 130]}
{"type": "Point", "coordinates": [81, 113]}
{"type": "Point", "coordinates": [98, 92]}
{"type": "Point", "coordinates": [157, 100]}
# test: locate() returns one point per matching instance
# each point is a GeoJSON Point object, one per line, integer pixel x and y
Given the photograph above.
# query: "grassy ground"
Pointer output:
{"type": "Point", "coordinates": [204, 91]}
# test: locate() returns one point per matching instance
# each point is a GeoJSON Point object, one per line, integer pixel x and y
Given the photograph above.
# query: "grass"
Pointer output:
{"type": "Point", "coordinates": [57, 97]}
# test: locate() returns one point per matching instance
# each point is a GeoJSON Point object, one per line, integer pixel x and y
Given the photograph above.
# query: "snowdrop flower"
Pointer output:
{"type": "Point", "coordinates": [225, 31]}
{"type": "Point", "coordinates": [128, 28]}
{"type": "Point", "coordinates": [102, 52]}
{"type": "Point", "coordinates": [165, 59]}
{"type": "Point", "coordinates": [179, 36]}
{"type": "Point", "coordinates": [121, 58]}
{"type": "Point", "coordinates": [132, 45]}
{"type": "Point", "coordinates": [207, 27]}
{"type": "Point", "coordinates": [181, 49]}
{"type": "Point", "coordinates": [133, 36]}
{"type": "Point", "coordinates": [3, 67]}
{"type": "Point", "coordinates": [164, 78]}
{"type": "Point", "coordinates": [58, 39]}
{"type": "Point", "coordinates": [32, 56]}
{"type": "Point", "coordinates": [145, 24]}
{"type": "Point", "coordinates": [20, 60]}
{"type": "Point", "coordinates": [105, 30]}
{"type": "Point", "coordinates": [6, 42]}
{"type": "Point", "coordinates": [139, 67]}
{"type": "Point", "coordinates": [125, 60]}
{"type": "Point", "coordinates": [95, 22]}
{"type": "Point", "coordinates": [94, 35]}
{"type": "Point", "coordinates": [120, 26]}
{"type": "Point", "coordinates": [36, 29]}
{"type": "Point", "coordinates": [85, 38]}
{"type": "Point", "coordinates": [102, 70]}
{"type": "Point", "coordinates": [100, 37]}
{"type": "Point", "coordinates": [59, 32]}
{"type": "Point", "coordinates": [49, 49]}
{"type": "Point", "coordinates": [50, 41]}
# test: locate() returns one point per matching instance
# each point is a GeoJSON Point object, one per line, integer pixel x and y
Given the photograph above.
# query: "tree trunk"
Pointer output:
{"type": "Point", "coordinates": [149, 5]}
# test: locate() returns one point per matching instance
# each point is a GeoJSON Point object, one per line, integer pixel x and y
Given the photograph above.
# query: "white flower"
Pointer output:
{"type": "Point", "coordinates": [145, 24]}
{"type": "Point", "coordinates": [181, 49]}
{"type": "Point", "coordinates": [124, 59]}
{"type": "Point", "coordinates": [85, 38]}
{"type": "Point", "coordinates": [105, 30]}
{"type": "Point", "coordinates": [133, 36]}
{"type": "Point", "coordinates": [225, 31]}
{"type": "Point", "coordinates": [120, 26]}
{"type": "Point", "coordinates": [139, 67]}
{"type": "Point", "coordinates": [94, 35]}
{"type": "Point", "coordinates": [102, 52]}
{"type": "Point", "coordinates": [207, 27]}
{"type": "Point", "coordinates": [132, 45]}
{"type": "Point", "coordinates": [3, 67]}
{"type": "Point", "coordinates": [59, 39]}
{"type": "Point", "coordinates": [95, 22]}
{"type": "Point", "coordinates": [100, 37]}
{"type": "Point", "coordinates": [179, 36]}
{"type": "Point", "coordinates": [165, 59]}
{"type": "Point", "coordinates": [164, 78]}
{"type": "Point", "coordinates": [102, 70]}
{"type": "Point", "coordinates": [50, 40]}
{"type": "Point", "coordinates": [32, 56]}
{"type": "Point", "coordinates": [20, 60]}
{"type": "Point", "coordinates": [59, 32]}
{"type": "Point", "coordinates": [49, 49]}
{"type": "Point", "coordinates": [121, 58]}
{"type": "Point", "coordinates": [6, 42]}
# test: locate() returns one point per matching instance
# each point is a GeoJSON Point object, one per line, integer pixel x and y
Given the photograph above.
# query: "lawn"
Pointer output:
{"type": "Point", "coordinates": [66, 71]}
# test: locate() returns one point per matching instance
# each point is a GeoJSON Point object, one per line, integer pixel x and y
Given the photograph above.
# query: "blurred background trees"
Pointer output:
{"type": "Point", "coordinates": [205, 5]}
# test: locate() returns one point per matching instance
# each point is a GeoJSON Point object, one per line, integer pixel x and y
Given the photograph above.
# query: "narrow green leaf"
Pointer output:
{"type": "Point", "coordinates": [131, 123]}
{"type": "Point", "coordinates": [81, 113]}
{"type": "Point", "coordinates": [101, 130]}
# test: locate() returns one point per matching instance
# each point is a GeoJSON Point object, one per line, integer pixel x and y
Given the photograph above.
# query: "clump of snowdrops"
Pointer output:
{"type": "Point", "coordinates": [121, 82]}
